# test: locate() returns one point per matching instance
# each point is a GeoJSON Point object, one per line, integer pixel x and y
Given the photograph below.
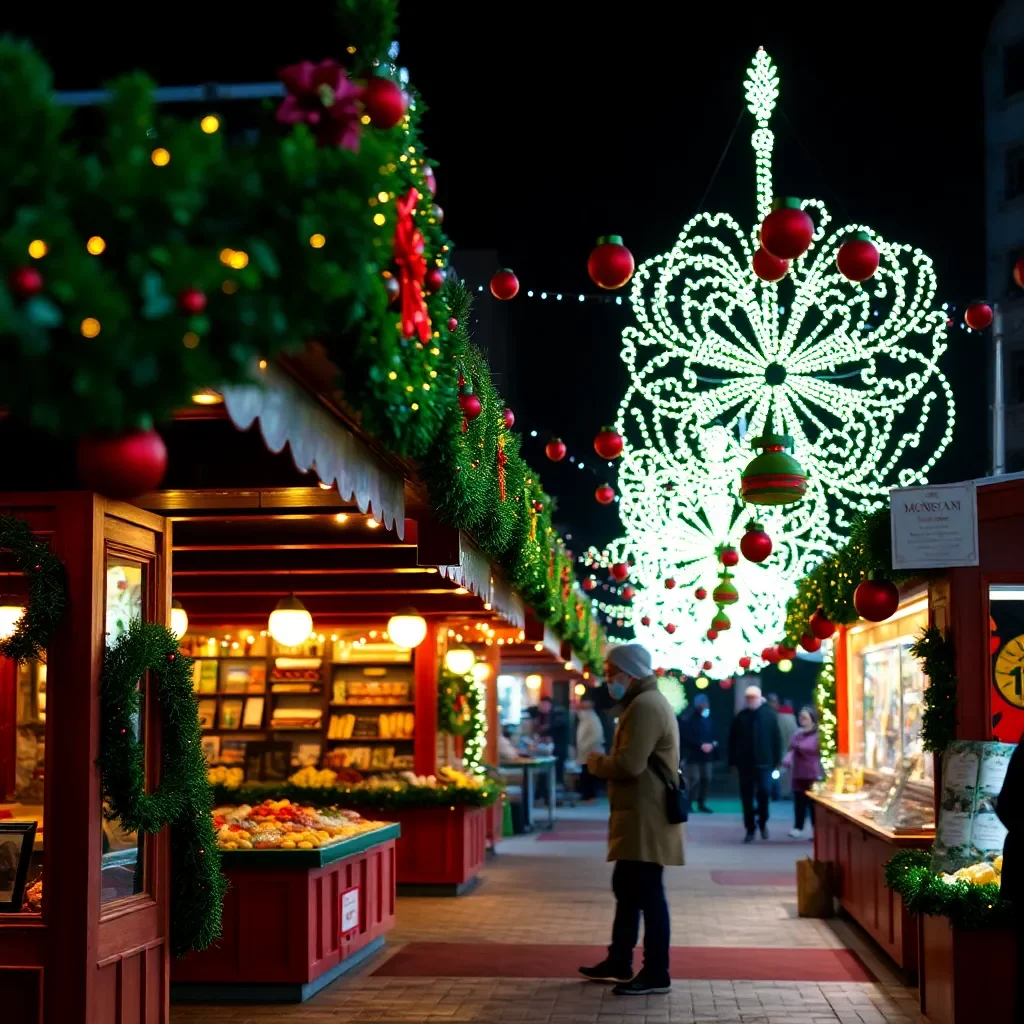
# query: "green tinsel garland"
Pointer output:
{"type": "Point", "coordinates": [358, 797]}
{"type": "Point", "coordinates": [910, 876]}
{"type": "Point", "coordinates": [938, 723]}
{"type": "Point", "coordinates": [181, 799]}
{"type": "Point", "coordinates": [451, 690]}
{"type": "Point", "coordinates": [47, 594]}
{"type": "Point", "coordinates": [825, 701]}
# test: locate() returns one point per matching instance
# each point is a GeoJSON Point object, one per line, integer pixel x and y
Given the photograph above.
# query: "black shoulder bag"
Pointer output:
{"type": "Point", "coordinates": [677, 799]}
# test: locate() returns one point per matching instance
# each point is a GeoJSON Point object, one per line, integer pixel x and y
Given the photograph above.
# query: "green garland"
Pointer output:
{"type": "Point", "coordinates": [47, 593]}
{"type": "Point", "coordinates": [825, 701]}
{"type": "Point", "coordinates": [361, 797]}
{"type": "Point", "coordinates": [938, 724]}
{"type": "Point", "coordinates": [458, 704]}
{"type": "Point", "coordinates": [909, 875]}
{"type": "Point", "coordinates": [182, 796]}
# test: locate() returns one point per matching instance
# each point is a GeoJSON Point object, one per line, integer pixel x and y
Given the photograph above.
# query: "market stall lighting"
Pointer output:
{"type": "Point", "coordinates": [10, 616]}
{"type": "Point", "coordinates": [718, 356]}
{"type": "Point", "coordinates": [459, 660]}
{"type": "Point", "coordinates": [481, 671]}
{"type": "Point", "coordinates": [579, 689]}
{"type": "Point", "coordinates": [785, 665]}
{"type": "Point", "coordinates": [371, 523]}
{"type": "Point", "coordinates": [207, 396]}
{"type": "Point", "coordinates": [290, 623]}
{"type": "Point", "coordinates": [407, 629]}
{"type": "Point", "coordinates": [701, 682]}
{"type": "Point", "coordinates": [179, 619]}
{"type": "Point", "coordinates": [533, 682]}
{"type": "Point", "coordinates": [209, 124]}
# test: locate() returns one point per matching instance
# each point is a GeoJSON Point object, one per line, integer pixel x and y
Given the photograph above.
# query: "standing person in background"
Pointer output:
{"type": "Point", "coordinates": [787, 726]}
{"type": "Point", "coordinates": [554, 727]}
{"type": "Point", "coordinates": [1010, 809]}
{"type": "Point", "coordinates": [589, 740]}
{"type": "Point", "coordinates": [641, 841]}
{"type": "Point", "coordinates": [697, 745]}
{"type": "Point", "coordinates": [755, 750]}
{"type": "Point", "coordinates": [804, 760]}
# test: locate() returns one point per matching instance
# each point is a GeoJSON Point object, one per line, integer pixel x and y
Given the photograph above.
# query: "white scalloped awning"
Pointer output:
{"type": "Point", "coordinates": [475, 575]}
{"type": "Point", "coordinates": [318, 442]}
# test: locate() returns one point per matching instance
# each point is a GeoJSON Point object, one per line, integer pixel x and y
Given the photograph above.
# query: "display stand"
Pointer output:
{"type": "Point", "coordinates": [294, 920]}
{"type": "Point", "coordinates": [441, 850]}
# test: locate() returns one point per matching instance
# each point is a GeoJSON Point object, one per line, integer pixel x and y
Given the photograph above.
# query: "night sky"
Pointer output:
{"type": "Point", "coordinates": [555, 123]}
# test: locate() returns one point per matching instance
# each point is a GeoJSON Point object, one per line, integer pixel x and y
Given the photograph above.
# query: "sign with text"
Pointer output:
{"type": "Point", "coordinates": [349, 911]}
{"type": "Point", "coordinates": [934, 527]}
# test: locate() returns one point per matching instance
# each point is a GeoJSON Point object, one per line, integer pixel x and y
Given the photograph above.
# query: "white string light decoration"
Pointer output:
{"type": "Point", "coordinates": [850, 371]}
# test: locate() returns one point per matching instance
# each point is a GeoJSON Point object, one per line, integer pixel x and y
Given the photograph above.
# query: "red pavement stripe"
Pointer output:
{"type": "Point", "coordinates": [709, 963]}
{"type": "Point", "coordinates": [783, 879]}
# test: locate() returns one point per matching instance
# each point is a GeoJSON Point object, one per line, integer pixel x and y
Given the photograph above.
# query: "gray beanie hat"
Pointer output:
{"type": "Point", "coordinates": [633, 659]}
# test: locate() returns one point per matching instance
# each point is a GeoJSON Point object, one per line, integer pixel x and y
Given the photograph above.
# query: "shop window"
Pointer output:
{"type": "Point", "coordinates": [122, 861]}
{"type": "Point", "coordinates": [1006, 646]}
{"type": "Point", "coordinates": [1015, 172]}
{"type": "Point", "coordinates": [1013, 69]}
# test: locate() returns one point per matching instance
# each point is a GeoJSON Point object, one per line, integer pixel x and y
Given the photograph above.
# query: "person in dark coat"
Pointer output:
{"type": "Point", "coordinates": [1010, 808]}
{"type": "Point", "coordinates": [697, 745]}
{"type": "Point", "coordinates": [755, 750]}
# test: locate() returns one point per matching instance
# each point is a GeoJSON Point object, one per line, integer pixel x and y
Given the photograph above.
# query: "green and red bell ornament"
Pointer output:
{"type": "Point", "coordinates": [721, 622]}
{"type": "Point", "coordinates": [725, 592]}
{"type": "Point", "coordinates": [774, 477]}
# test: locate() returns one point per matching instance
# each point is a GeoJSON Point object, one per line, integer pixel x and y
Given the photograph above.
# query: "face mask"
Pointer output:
{"type": "Point", "coordinates": [618, 684]}
{"type": "Point", "coordinates": [705, 713]}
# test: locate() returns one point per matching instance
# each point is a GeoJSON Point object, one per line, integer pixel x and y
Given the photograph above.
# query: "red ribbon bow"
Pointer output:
{"type": "Point", "coordinates": [412, 269]}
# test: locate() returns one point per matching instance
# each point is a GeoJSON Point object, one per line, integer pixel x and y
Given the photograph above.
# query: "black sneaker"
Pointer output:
{"type": "Point", "coordinates": [608, 970]}
{"type": "Point", "coordinates": [764, 831]}
{"type": "Point", "coordinates": [749, 837]}
{"type": "Point", "coordinates": [705, 810]}
{"type": "Point", "coordinates": [644, 984]}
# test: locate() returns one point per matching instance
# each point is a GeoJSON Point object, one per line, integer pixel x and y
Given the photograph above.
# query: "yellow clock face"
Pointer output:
{"type": "Point", "coordinates": [1009, 671]}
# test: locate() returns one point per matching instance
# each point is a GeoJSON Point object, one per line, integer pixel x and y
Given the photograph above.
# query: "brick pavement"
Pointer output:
{"type": "Point", "coordinates": [558, 892]}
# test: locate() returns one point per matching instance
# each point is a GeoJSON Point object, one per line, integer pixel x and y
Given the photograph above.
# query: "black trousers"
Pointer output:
{"type": "Point", "coordinates": [755, 782]}
{"type": "Point", "coordinates": [588, 784]}
{"type": "Point", "coordinates": [698, 775]}
{"type": "Point", "coordinates": [803, 808]}
{"type": "Point", "coordinates": [639, 889]}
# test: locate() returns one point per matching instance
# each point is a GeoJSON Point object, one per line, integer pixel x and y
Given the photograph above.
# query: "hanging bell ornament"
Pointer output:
{"type": "Point", "coordinates": [774, 477]}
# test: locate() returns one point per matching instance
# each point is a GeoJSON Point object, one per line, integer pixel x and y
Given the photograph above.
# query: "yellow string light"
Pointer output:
{"type": "Point", "coordinates": [160, 157]}
{"type": "Point", "coordinates": [89, 327]}
{"type": "Point", "coordinates": [379, 219]}
{"type": "Point", "coordinates": [317, 241]}
{"type": "Point", "coordinates": [37, 249]}
{"type": "Point", "coordinates": [95, 245]}
{"type": "Point", "coordinates": [209, 124]}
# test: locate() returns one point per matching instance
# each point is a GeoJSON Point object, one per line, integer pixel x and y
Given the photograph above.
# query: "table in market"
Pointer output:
{"type": "Point", "coordinates": [527, 765]}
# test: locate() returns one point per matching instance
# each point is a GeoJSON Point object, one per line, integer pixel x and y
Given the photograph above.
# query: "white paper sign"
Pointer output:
{"type": "Point", "coordinates": [934, 527]}
{"type": "Point", "coordinates": [349, 911]}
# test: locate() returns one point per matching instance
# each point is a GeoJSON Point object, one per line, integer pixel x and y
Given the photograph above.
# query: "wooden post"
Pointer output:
{"type": "Point", "coordinates": [426, 666]}
{"type": "Point", "coordinates": [842, 674]}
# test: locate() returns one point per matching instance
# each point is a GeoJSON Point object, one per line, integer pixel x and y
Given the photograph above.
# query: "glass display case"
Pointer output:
{"type": "Point", "coordinates": [899, 801]}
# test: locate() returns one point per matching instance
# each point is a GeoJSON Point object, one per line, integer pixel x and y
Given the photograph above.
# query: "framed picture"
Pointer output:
{"type": "Point", "coordinates": [16, 841]}
{"type": "Point", "coordinates": [211, 748]}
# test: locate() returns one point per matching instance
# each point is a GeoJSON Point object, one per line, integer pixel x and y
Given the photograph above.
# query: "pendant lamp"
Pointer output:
{"type": "Point", "coordinates": [407, 629]}
{"type": "Point", "coordinates": [290, 623]}
{"type": "Point", "coordinates": [459, 660]}
{"type": "Point", "coordinates": [179, 619]}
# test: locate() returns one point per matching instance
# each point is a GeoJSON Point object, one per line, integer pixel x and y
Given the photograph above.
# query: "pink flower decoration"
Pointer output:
{"type": "Point", "coordinates": [322, 96]}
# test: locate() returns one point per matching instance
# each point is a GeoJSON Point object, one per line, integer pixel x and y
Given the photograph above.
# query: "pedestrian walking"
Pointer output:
{"type": "Point", "coordinates": [1010, 808]}
{"type": "Point", "coordinates": [644, 760]}
{"type": "Point", "coordinates": [697, 744]}
{"type": "Point", "coordinates": [589, 740]}
{"type": "Point", "coordinates": [803, 759]}
{"type": "Point", "coordinates": [755, 750]}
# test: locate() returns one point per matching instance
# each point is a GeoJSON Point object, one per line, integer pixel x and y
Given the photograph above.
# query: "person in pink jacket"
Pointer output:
{"type": "Point", "coordinates": [804, 762]}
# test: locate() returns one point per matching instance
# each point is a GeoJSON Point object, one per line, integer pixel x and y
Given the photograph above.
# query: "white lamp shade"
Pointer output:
{"type": "Point", "coordinates": [179, 619]}
{"type": "Point", "coordinates": [533, 682]}
{"type": "Point", "coordinates": [407, 629]}
{"type": "Point", "coordinates": [10, 616]}
{"type": "Point", "coordinates": [459, 660]}
{"type": "Point", "coordinates": [481, 671]}
{"type": "Point", "coordinates": [290, 623]}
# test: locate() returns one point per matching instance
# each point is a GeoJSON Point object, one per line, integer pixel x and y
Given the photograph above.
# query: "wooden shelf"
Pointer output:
{"type": "Point", "coordinates": [368, 739]}
{"type": "Point", "coordinates": [347, 704]}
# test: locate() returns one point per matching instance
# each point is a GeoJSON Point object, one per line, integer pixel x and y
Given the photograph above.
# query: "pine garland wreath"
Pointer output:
{"type": "Point", "coordinates": [825, 701]}
{"type": "Point", "coordinates": [47, 590]}
{"type": "Point", "coordinates": [181, 799]}
{"type": "Point", "coordinates": [458, 704]}
{"type": "Point", "coordinates": [379, 797]}
{"type": "Point", "coordinates": [938, 722]}
{"type": "Point", "coordinates": [968, 906]}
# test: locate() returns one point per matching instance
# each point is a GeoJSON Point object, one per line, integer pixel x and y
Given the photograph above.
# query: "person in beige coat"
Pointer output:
{"type": "Point", "coordinates": [640, 839]}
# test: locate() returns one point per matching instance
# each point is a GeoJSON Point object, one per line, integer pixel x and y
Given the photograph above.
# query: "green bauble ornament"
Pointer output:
{"type": "Point", "coordinates": [774, 477]}
{"type": "Point", "coordinates": [725, 592]}
{"type": "Point", "coordinates": [721, 622]}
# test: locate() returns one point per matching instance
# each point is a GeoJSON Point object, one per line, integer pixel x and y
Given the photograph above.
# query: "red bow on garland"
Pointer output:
{"type": "Point", "coordinates": [412, 269]}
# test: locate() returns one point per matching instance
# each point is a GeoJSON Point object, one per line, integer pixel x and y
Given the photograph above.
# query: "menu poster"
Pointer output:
{"type": "Point", "coordinates": [969, 830]}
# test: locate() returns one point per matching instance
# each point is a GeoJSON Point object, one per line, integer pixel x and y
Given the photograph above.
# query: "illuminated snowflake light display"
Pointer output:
{"type": "Point", "coordinates": [719, 357]}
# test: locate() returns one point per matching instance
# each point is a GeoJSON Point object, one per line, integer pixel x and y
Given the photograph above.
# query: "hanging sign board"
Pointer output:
{"type": "Point", "coordinates": [934, 527]}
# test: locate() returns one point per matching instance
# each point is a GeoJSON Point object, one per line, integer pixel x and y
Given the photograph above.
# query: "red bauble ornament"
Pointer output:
{"type": "Point", "coordinates": [611, 264]}
{"type": "Point", "coordinates": [876, 600]}
{"type": "Point", "coordinates": [434, 279]}
{"type": "Point", "coordinates": [725, 684]}
{"type": "Point", "coordinates": [786, 653]}
{"type": "Point", "coordinates": [628, 593]}
{"type": "Point", "coordinates": [857, 258]}
{"type": "Point", "coordinates": [978, 316]}
{"type": "Point", "coordinates": [744, 663]}
{"type": "Point", "coordinates": [645, 621]}
{"type": "Point", "coordinates": [192, 301]}
{"type": "Point", "coordinates": [122, 465]}
{"type": "Point", "coordinates": [470, 405]}
{"type": "Point", "coordinates": [538, 506]}
{"type": "Point", "coordinates": [1018, 272]}
{"type": "Point", "coordinates": [821, 627]}
{"type": "Point", "coordinates": [755, 544]}
{"type": "Point", "coordinates": [768, 267]}
{"type": "Point", "coordinates": [766, 654]}
{"type": "Point", "coordinates": [700, 593]}
{"type": "Point", "coordinates": [604, 494]}
{"type": "Point", "coordinates": [504, 285]}
{"type": "Point", "coordinates": [393, 288]}
{"type": "Point", "coordinates": [452, 323]}
{"type": "Point", "coordinates": [26, 282]}
{"type": "Point", "coordinates": [772, 657]}
{"type": "Point", "coordinates": [707, 666]}
{"type": "Point", "coordinates": [384, 103]}
{"type": "Point", "coordinates": [555, 450]}
{"type": "Point", "coordinates": [619, 571]}
{"type": "Point", "coordinates": [728, 555]}
{"type": "Point", "coordinates": [787, 231]}
{"type": "Point", "coordinates": [509, 418]}
{"type": "Point", "coordinates": [712, 633]}
{"type": "Point", "coordinates": [608, 443]}
{"type": "Point", "coordinates": [810, 643]}
{"type": "Point", "coordinates": [670, 583]}
{"type": "Point", "coordinates": [670, 628]}
{"type": "Point", "coordinates": [589, 584]}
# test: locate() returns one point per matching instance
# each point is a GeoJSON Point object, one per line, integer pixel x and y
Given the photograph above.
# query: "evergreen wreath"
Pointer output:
{"type": "Point", "coordinates": [938, 723]}
{"type": "Point", "coordinates": [458, 704]}
{"type": "Point", "coordinates": [47, 593]}
{"type": "Point", "coordinates": [182, 797]}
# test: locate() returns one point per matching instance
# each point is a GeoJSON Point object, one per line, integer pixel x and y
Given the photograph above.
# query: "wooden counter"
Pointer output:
{"type": "Point", "coordinates": [859, 849]}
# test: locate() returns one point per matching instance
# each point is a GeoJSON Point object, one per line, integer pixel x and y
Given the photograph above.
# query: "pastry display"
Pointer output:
{"type": "Point", "coordinates": [981, 873]}
{"type": "Point", "coordinates": [283, 825]}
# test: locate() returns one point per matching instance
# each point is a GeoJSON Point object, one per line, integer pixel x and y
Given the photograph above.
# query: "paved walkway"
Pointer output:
{"type": "Point", "coordinates": [546, 899]}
